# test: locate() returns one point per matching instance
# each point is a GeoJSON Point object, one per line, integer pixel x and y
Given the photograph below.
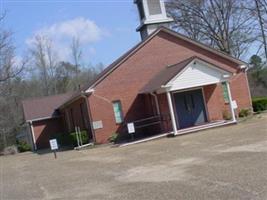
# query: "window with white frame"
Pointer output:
{"type": "Point", "coordinates": [154, 7]}
{"type": "Point", "coordinates": [118, 112]}
{"type": "Point", "coordinates": [225, 92]}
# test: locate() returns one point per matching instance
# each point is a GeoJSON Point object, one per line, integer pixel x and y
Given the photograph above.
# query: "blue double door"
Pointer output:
{"type": "Point", "coordinates": [190, 108]}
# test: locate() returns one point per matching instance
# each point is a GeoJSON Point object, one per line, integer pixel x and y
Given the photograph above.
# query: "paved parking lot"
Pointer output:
{"type": "Point", "coordinates": [221, 163]}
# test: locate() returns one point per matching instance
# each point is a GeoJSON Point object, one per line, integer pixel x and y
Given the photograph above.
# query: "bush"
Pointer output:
{"type": "Point", "coordinates": [244, 113]}
{"type": "Point", "coordinates": [259, 104]}
{"type": "Point", "coordinates": [70, 139]}
{"type": "Point", "coordinates": [113, 137]}
{"type": "Point", "coordinates": [84, 136]}
{"type": "Point", "coordinates": [62, 139]}
{"type": "Point", "coordinates": [23, 146]}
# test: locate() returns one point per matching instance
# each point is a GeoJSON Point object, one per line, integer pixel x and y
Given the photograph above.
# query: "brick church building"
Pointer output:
{"type": "Point", "coordinates": [167, 83]}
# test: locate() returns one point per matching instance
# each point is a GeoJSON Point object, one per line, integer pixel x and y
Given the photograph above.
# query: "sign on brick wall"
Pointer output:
{"type": "Point", "coordinates": [97, 125]}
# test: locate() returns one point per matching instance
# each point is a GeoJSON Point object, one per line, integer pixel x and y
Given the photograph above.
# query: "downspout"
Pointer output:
{"type": "Point", "coordinates": [231, 102]}
{"type": "Point", "coordinates": [249, 92]}
{"type": "Point", "coordinates": [156, 101]}
{"type": "Point", "coordinates": [158, 110]}
{"type": "Point", "coordinates": [33, 136]}
{"type": "Point", "coordinates": [89, 115]}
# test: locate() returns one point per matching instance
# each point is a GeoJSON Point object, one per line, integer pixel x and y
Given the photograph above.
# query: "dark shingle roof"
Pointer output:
{"type": "Point", "coordinates": [165, 75]}
{"type": "Point", "coordinates": [43, 107]}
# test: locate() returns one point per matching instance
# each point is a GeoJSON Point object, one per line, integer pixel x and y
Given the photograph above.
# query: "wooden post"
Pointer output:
{"type": "Point", "coordinates": [55, 154]}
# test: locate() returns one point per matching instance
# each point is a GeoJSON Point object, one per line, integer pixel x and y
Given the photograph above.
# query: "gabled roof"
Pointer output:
{"type": "Point", "coordinates": [44, 107]}
{"type": "Point", "coordinates": [165, 75]}
{"type": "Point", "coordinates": [121, 59]}
{"type": "Point", "coordinates": [168, 73]}
{"type": "Point", "coordinates": [125, 56]}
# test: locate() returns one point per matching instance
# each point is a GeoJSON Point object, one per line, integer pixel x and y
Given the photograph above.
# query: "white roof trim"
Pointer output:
{"type": "Point", "coordinates": [89, 90]}
{"type": "Point", "coordinates": [212, 76]}
{"type": "Point", "coordinates": [224, 72]}
{"type": "Point", "coordinates": [43, 118]}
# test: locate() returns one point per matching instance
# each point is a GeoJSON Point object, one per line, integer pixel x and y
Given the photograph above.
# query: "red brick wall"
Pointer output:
{"type": "Point", "coordinates": [78, 118]}
{"type": "Point", "coordinates": [125, 82]}
{"type": "Point", "coordinates": [214, 101]}
{"type": "Point", "coordinates": [165, 112]}
{"type": "Point", "coordinates": [44, 129]}
{"type": "Point", "coordinates": [240, 91]}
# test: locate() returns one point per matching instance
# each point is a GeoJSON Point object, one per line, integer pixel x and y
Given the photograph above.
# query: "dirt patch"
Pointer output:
{"type": "Point", "coordinates": [175, 170]}
{"type": "Point", "coordinates": [256, 147]}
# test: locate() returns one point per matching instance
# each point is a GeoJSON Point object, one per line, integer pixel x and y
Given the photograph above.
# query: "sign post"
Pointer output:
{"type": "Point", "coordinates": [131, 129]}
{"type": "Point", "coordinates": [54, 146]}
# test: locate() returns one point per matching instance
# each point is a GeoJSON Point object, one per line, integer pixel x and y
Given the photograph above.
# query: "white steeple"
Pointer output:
{"type": "Point", "coordinates": [152, 15]}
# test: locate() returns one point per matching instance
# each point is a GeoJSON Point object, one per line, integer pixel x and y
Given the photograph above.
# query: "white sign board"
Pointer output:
{"type": "Point", "coordinates": [53, 144]}
{"type": "Point", "coordinates": [97, 125]}
{"type": "Point", "coordinates": [234, 104]}
{"type": "Point", "coordinates": [130, 127]}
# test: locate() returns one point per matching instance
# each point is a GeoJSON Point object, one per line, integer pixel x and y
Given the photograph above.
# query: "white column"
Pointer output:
{"type": "Point", "coordinates": [231, 102]}
{"type": "Point", "coordinates": [174, 127]}
{"type": "Point", "coordinates": [33, 136]}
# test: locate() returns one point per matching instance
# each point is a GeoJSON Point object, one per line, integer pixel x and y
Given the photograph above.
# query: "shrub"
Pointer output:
{"type": "Point", "coordinates": [73, 138]}
{"type": "Point", "coordinates": [70, 139]}
{"type": "Point", "coordinates": [259, 104]}
{"type": "Point", "coordinates": [23, 146]}
{"type": "Point", "coordinates": [62, 139]}
{"type": "Point", "coordinates": [113, 137]}
{"type": "Point", "coordinates": [244, 113]}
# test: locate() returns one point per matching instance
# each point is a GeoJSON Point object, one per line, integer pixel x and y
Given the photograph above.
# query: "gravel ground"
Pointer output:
{"type": "Point", "coordinates": [222, 163]}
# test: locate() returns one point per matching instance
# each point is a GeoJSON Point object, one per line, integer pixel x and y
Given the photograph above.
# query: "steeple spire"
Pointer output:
{"type": "Point", "coordinates": [152, 14]}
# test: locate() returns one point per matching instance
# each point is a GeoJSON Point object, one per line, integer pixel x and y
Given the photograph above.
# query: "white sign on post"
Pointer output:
{"type": "Point", "coordinates": [130, 127]}
{"type": "Point", "coordinates": [53, 144]}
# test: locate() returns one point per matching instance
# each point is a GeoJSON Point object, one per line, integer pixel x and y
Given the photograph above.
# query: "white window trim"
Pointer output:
{"type": "Point", "coordinates": [120, 109]}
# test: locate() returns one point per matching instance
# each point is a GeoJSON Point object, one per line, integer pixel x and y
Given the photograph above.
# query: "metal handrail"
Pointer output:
{"type": "Point", "coordinates": [140, 120]}
{"type": "Point", "coordinates": [142, 126]}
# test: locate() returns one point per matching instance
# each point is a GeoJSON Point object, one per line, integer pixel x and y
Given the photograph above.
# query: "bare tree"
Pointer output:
{"type": "Point", "coordinates": [45, 59]}
{"type": "Point", "coordinates": [52, 64]}
{"type": "Point", "coordinates": [76, 56]}
{"type": "Point", "coordinates": [261, 9]}
{"type": "Point", "coordinates": [65, 74]}
{"type": "Point", "coordinates": [9, 68]}
{"type": "Point", "coordinates": [76, 52]}
{"type": "Point", "coordinates": [218, 23]}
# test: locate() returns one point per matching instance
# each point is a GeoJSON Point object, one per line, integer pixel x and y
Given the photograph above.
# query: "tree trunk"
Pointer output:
{"type": "Point", "coordinates": [261, 27]}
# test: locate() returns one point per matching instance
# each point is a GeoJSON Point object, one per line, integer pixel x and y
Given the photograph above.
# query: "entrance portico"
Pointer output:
{"type": "Point", "coordinates": [185, 85]}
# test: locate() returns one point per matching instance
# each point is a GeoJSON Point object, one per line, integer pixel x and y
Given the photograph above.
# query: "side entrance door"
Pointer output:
{"type": "Point", "coordinates": [190, 108]}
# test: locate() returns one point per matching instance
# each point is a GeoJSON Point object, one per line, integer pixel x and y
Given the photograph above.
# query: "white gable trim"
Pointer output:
{"type": "Point", "coordinates": [197, 73]}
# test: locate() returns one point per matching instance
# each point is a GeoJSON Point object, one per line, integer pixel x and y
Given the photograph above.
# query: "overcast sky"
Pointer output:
{"type": "Point", "coordinates": [106, 28]}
